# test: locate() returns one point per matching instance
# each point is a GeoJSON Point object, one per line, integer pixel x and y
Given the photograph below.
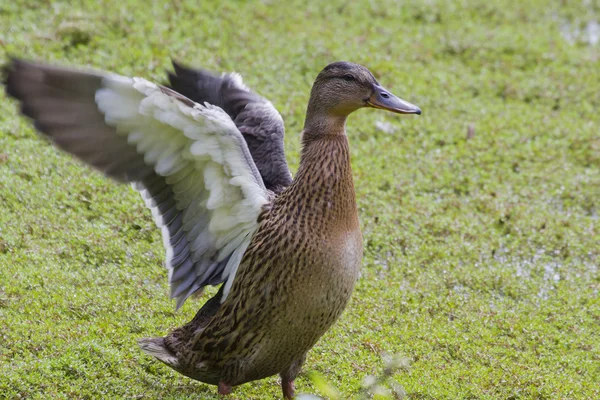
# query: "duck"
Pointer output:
{"type": "Point", "coordinates": [206, 153]}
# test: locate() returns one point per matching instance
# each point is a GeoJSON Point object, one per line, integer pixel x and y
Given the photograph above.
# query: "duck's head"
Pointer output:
{"type": "Point", "coordinates": [343, 87]}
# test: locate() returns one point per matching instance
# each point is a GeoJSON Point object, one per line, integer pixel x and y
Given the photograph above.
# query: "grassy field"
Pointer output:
{"type": "Point", "coordinates": [480, 217]}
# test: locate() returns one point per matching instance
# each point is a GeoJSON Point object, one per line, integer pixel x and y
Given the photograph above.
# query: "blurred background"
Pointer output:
{"type": "Point", "coordinates": [480, 217]}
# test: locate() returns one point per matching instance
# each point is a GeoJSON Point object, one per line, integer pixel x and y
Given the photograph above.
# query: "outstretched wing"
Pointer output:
{"type": "Point", "coordinates": [189, 161]}
{"type": "Point", "coordinates": [256, 118]}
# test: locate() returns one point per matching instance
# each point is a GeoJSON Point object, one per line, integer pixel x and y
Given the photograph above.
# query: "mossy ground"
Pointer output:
{"type": "Point", "coordinates": [480, 217]}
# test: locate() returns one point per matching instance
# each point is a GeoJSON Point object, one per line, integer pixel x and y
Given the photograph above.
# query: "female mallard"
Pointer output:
{"type": "Point", "coordinates": [207, 156]}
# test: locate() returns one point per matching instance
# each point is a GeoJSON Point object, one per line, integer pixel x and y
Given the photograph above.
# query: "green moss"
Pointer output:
{"type": "Point", "coordinates": [480, 216]}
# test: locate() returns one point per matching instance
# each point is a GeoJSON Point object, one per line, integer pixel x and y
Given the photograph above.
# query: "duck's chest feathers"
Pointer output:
{"type": "Point", "coordinates": [317, 215]}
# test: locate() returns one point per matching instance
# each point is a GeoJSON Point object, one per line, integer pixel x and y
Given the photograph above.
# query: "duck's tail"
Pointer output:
{"type": "Point", "coordinates": [156, 347]}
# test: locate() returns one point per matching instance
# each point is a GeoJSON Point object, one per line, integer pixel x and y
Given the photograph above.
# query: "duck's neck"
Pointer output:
{"type": "Point", "coordinates": [324, 178]}
{"type": "Point", "coordinates": [320, 118]}
{"type": "Point", "coordinates": [314, 126]}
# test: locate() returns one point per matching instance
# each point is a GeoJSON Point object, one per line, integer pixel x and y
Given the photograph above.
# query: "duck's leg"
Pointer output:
{"type": "Point", "coordinates": [224, 389]}
{"type": "Point", "coordinates": [288, 389]}
{"type": "Point", "coordinates": [288, 376]}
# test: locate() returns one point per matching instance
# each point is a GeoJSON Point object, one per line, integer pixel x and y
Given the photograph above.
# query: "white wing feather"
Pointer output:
{"type": "Point", "coordinates": [190, 162]}
{"type": "Point", "coordinates": [202, 155]}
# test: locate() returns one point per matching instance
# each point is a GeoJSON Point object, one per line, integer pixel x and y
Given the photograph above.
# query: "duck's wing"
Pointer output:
{"type": "Point", "coordinates": [255, 117]}
{"type": "Point", "coordinates": [189, 161]}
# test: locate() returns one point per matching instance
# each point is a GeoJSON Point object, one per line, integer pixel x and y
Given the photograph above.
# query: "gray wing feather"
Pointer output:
{"type": "Point", "coordinates": [62, 104]}
{"type": "Point", "coordinates": [256, 118]}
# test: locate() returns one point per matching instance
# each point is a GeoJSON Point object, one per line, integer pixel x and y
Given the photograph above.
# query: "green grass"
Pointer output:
{"type": "Point", "coordinates": [482, 251]}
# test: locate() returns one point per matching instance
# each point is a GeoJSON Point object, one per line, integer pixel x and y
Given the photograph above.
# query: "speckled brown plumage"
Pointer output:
{"type": "Point", "coordinates": [318, 216]}
{"type": "Point", "coordinates": [298, 273]}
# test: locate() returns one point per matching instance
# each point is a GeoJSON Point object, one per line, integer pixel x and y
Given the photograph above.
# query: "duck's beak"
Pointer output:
{"type": "Point", "coordinates": [382, 98]}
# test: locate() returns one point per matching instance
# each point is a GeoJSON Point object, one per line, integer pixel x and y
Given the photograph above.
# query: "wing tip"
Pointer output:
{"type": "Point", "coordinates": [194, 290]}
{"type": "Point", "coordinates": [178, 66]}
{"type": "Point", "coordinates": [184, 74]}
{"type": "Point", "coordinates": [7, 75]}
{"type": "Point", "coordinates": [13, 75]}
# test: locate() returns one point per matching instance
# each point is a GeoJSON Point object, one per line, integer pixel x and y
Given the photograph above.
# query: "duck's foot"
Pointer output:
{"type": "Point", "coordinates": [287, 386]}
{"type": "Point", "coordinates": [224, 389]}
{"type": "Point", "coordinates": [288, 375]}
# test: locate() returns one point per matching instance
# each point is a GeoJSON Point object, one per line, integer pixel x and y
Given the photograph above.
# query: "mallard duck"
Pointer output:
{"type": "Point", "coordinates": [207, 156]}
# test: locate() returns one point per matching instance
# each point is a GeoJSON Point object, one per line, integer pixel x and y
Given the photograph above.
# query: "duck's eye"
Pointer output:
{"type": "Point", "coordinates": [348, 78]}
